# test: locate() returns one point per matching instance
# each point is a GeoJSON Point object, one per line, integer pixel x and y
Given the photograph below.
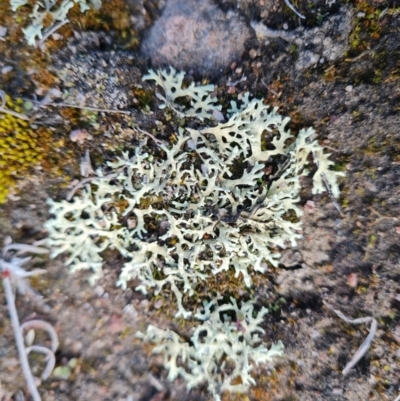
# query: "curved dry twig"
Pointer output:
{"type": "Point", "coordinates": [50, 359]}
{"type": "Point", "coordinates": [293, 8]}
{"type": "Point", "coordinates": [82, 183]}
{"type": "Point", "coordinates": [40, 324]}
{"type": "Point", "coordinates": [23, 357]}
{"type": "Point", "coordinates": [22, 248]}
{"type": "Point", "coordinates": [12, 272]}
{"type": "Point", "coordinates": [364, 347]}
{"type": "Point", "coordinates": [3, 108]}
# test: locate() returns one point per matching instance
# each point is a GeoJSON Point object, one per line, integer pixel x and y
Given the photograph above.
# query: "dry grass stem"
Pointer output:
{"type": "Point", "coordinates": [364, 347]}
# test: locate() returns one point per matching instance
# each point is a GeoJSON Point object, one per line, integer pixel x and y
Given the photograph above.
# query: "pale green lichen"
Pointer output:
{"type": "Point", "coordinates": [219, 198]}
{"type": "Point", "coordinates": [222, 350]}
{"type": "Point", "coordinates": [202, 104]}
{"type": "Point", "coordinates": [217, 209]}
{"type": "Point", "coordinates": [57, 12]}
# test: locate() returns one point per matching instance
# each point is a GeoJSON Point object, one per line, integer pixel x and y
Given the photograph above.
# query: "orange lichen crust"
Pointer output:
{"type": "Point", "coordinates": [21, 147]}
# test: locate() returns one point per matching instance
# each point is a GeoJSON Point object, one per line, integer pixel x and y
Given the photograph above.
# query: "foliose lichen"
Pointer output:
{"type": "Point", "coordinates": [222, 197]}
{"type": "Point", "coordinates": [48, 15]}
{"type": "Point", "coordinates": [216, 199]}
{"type": "Point", "coordinates": [223, 349]}
{"type": "Point", "coordinates": [202, 104]}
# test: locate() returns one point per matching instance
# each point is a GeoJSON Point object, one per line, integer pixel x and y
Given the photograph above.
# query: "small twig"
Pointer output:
{"type": "Point", "coordinates": [281, 168]}
{"type": "Point", "coordinates": [360, 56]}
{"type": "Point", "coordinates": [86, 165]}
{"type": "Point", "coordinates": [158, 141]}
{"type": "Point", "coordinates": [14, 113]}
{"type": "Point", "coordinates": [3, 108]}
{"type": "Point", "coordinates": [364, 347]}
{"type": "Point", "coordinates": [328, 187]}
{"type": "Point", "coordinates": [234, 83]}
{"type": "Point", "coordinates": [22, 248]}
{"type": "Point", "coordinates": [155, 383]}
{"type": "Point", "coordinates": [18, 337]}
{"type": "Point", "coordinates": [75, 106]}
{"type": "Point", "coordinates": [381, 217]}
{"type": "Point", "coordinates": [333, 199]}
{"type": "Point", "coordinates": [293, 8]}
{"type": "Point", "coordinates": [272, 91]}
{"type": "Point", "coordinates": [331, 148]}
{"type": "Point", "coordinates": [51, 31]}
{"type": "Point", "coordinates": [87, 180]}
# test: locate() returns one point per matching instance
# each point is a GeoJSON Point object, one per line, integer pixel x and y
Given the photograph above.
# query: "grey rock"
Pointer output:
{"type": "Point", "coordinates": [196, 37]}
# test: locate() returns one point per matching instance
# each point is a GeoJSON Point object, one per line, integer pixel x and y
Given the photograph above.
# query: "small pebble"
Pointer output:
{"type": "Point", "coordinates": [253, 53]}
{"type": "Point", "coordinates": [352, 280]}
{"type": "Point", "coordinates": [315, 334]}
{"type": "Point", "coordinates": [130, 311]}
{"type": "Point", "coordinates": [56, 36]}
{"type": "Point", "coordinates": [99, 290]}
{"type": "Point", "coordinates": [6, 69]}
{"type": "Point", "coordinates": [158, 304]}
{"type": "Point", "coordinates": [78, 135]}
{"type": "Point", "coordinates": [144, 304]}
{"type": "Point", "coordinates": [309, 206]}
{"type": "Point", "coordinates": [76, 347]}
{"type": "Point", "coordinates": [349, 88]}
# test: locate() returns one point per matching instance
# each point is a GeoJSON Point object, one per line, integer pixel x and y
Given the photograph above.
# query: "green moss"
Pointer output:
{"type": "Point", "coordinates": [366, 28]}
{"type": "Point", "coordinates": [293, 51]}
{"type": "Point", "coordinates": [144, 98]}
{"type": "Point", "coordinates": [372, 241]}
{"type": "Point", "coordinates": [339, 166]}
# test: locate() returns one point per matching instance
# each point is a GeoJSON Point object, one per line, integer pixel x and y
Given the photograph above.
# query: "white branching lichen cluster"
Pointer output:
{"type": "Point", "coordinates": [219, 209]}
{"type": "Point", "coordinates": [202, 105]}
{"type": "Point", "coordinates": [221, 197]}
{"type": "Point", "coordinates": [222, 349]}
{"type": "Point", "coordinates": [58, 13]}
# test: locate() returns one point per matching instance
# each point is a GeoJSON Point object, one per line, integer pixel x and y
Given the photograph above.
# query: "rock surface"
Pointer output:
{"type": "Point", "coordinates": [196, 36]}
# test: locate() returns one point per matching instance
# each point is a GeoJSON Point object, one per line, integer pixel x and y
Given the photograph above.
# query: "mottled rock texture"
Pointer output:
{"type": "Point", "coordinates": [196, 36]}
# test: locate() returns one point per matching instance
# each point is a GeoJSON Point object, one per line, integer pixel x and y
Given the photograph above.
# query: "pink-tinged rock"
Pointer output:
{"type": "Point", "coordinates": [196, 37]}
{"type": "Point", "coordinates": [78, 135]}
{"type": "Point", "coordinates": [352, 280]}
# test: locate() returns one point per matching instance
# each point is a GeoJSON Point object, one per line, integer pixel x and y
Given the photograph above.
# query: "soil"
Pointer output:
{"type": "Point", "coordinates": [336, 70]}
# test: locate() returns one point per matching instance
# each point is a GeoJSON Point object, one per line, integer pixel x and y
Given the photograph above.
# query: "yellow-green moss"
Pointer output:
{"type": "Point", "coordinates": [21, 147]}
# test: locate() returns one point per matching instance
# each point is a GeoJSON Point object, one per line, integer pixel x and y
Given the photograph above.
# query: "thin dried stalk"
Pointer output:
{"type": "Point", "coordinates": [23, 356]}
{"type": "Point", "coordinates": [50, 359]}
{"type": "Point", "coordinates": [293, 8]}
{"type": "Point", "coordinates": [3, 108]}
{"type": "Point", "coordinates": [364, 347]}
